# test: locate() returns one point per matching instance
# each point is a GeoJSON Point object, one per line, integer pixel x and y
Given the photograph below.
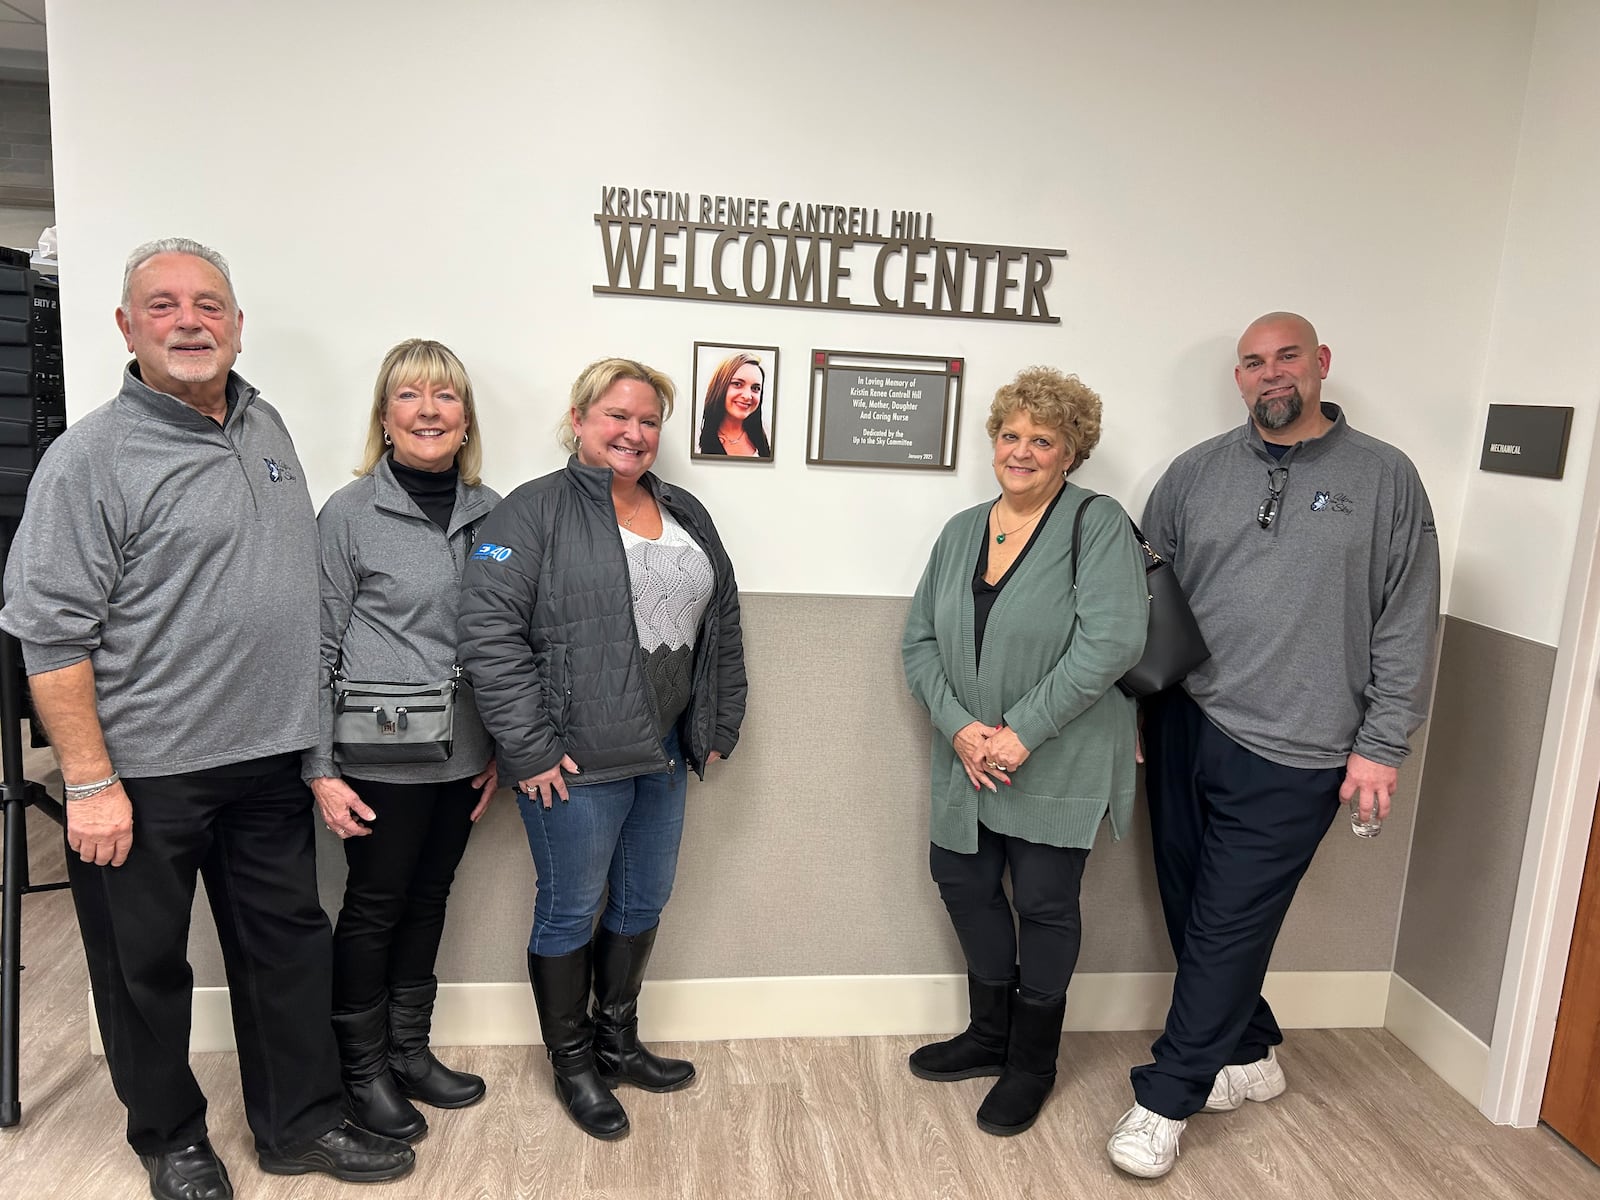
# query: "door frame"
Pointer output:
{"type": "Point", "coordinates": [1557, 842]}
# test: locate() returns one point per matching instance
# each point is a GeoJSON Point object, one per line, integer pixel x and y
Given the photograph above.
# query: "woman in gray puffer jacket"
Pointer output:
{"type": "Point", "coordinates": [600, 630]}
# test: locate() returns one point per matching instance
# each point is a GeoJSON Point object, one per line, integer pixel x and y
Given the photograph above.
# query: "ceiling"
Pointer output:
{"type": "Point", "coordinates": [22, 39]}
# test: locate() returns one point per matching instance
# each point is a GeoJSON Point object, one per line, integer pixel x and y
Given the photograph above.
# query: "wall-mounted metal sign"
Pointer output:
{"type": "Point", "coordinates": [741, 250]}
{"type": "Point", "coordinates": [883, 410]}
{"type": "Point", "coordinates": [1526, 439]}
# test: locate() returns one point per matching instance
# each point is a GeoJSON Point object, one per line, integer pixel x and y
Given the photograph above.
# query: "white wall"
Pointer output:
{"type": "Point", "coordinates": [1518, 534]}
{"type": "Point", "coordinates": [379, 170]}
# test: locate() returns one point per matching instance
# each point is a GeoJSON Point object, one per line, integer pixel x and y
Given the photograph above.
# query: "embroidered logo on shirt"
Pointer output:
{"type": "Point", "coordinates": [1332, 502]}
{"type": "Point", "coordinates": [277, 471]}
{"type": "Point", "coordinates": [490, 551]}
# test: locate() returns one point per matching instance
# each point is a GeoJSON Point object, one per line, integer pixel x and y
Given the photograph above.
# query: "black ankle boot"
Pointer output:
{"type": "Point", "coordinates": [1013, 1104]}
{"type": "Point", "coordinates": [421, 1075]}
{"type": "Point", "coordinates": [561, 994]}
{"type": "Point", "coordinates": [619, 964]}
{"type": "Point", "coordinates": [370, 1091]}
{"type": "Point", "coordinates": [981, 1048]}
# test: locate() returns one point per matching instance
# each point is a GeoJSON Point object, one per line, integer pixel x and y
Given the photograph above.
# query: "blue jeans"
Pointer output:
{"type": "Point", "coordinates": [620, 839]}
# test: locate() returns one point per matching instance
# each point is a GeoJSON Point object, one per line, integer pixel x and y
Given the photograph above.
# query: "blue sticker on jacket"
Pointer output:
{"type": "Point", "coordinates": [490, 551]}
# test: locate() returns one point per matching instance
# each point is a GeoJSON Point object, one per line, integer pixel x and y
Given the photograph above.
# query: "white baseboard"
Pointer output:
{"type": "Point", "coordinates": [696, 1010]}
{"type": "Point", "coordinates": [1451, 1050]}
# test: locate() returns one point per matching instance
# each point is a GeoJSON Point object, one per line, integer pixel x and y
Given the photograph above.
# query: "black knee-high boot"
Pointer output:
{"type": "Point", "coordinates": [421, 1075]}
{"type": "Point", "coordinates": [561, 994]}
{"type": "Point", "coordinates": [619, 964]}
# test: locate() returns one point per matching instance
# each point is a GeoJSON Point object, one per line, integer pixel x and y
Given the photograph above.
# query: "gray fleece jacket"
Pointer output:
{"type": "Point", "coordinates": [391, 585]}
{"type": "Point", "coordinates": [1322, 626]}
{"type": "Point", "coordinates": [180, 558]}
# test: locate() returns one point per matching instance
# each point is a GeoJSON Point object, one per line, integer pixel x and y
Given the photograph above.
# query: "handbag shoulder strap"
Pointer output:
{"type": "Point", "coordinates": [1152, 559]}
{"type": "Point", "coordinates": [1077, 534]}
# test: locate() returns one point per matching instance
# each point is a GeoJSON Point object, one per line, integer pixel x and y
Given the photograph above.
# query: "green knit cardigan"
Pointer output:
{"type": "Point", "coordinates": [1051, 659]}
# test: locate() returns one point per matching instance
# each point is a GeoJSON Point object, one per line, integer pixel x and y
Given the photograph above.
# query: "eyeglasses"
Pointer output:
{"type": "Point", "coordinates": [1277, 480]}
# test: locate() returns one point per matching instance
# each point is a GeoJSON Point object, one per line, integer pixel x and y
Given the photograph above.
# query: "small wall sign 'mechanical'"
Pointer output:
{"type": "Point", "coordinates": [1526, 439]}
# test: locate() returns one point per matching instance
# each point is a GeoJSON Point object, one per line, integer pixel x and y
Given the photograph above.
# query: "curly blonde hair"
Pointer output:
{"type": "Point", "coordinates": [1060, 402]}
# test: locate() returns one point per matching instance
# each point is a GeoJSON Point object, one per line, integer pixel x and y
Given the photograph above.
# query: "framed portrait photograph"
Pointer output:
{"type": "Point", "coordinates": [735, 402]}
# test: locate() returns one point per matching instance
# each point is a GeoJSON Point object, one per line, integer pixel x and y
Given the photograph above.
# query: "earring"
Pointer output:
{"type": "Point", "coordinates": [386, 440]}
{"type": "Point", "coordinates": [465, 439]}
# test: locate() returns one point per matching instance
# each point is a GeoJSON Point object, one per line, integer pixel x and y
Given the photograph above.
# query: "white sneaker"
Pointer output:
{"type": "Point", "coordinates": [1261, 1080]}
{"type": "Point", "coordinates": [1144, 1143]}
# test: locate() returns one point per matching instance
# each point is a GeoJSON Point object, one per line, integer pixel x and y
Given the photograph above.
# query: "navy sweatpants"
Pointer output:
{"type": "Point", "coordinates": [1234, 834]}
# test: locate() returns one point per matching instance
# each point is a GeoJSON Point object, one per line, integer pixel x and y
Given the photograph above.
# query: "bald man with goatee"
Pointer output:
{"type": "Point", "coordinates": [1309, 555]}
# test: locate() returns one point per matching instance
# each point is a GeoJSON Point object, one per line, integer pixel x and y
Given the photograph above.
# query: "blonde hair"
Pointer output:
{"type": "Point", "coordinates": [428, 364]}
{"type": "Point", "coordinates": [598, 378]}
{"type": "Point", "coordinates": [1060, 402]}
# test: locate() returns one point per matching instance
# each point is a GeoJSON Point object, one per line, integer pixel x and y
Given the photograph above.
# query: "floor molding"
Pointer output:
{"type": "Point", "coordinates": [694, 1010]}
{"type": "Point", "coordinates": [1450, 1049]}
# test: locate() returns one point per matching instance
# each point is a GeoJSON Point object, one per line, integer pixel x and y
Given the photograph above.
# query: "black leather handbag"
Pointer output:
{"type": "Point", "coordinates": [1174, 646]}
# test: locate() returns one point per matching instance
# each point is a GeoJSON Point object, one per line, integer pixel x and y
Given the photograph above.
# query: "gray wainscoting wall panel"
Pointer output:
{"type": "Point", "coordinates": [806, 852]}
{"type": "Point", "coordinates": [1466, 856]}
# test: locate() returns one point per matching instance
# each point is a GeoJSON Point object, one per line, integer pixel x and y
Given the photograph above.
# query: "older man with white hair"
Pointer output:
{"type": "Point", "coordinates": [163, 584]}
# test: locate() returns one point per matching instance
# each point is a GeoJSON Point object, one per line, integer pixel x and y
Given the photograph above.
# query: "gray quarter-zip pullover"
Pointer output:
{"type": "Point", "coordinates": [1322, 625]}
{"type": "Point", "coordinates": [179, 557]}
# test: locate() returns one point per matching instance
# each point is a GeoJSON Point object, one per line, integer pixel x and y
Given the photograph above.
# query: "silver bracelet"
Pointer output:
{"type": "Point", "coordinates": [82, 791]}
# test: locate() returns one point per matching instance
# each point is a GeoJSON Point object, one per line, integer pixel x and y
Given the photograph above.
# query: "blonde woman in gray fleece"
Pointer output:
{"type": "Point", "coordinates": [393, 544]}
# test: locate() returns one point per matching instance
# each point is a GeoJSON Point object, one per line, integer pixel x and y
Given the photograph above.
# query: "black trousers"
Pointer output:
{"type": "Point", "coordinates": [1040, 944]}
{"type": "Point", "coordinates": [398, 884]}
{"type": "Point", "coordinates": [1234, 834]}
{"type": "Point", "coordinates": [246, 828]}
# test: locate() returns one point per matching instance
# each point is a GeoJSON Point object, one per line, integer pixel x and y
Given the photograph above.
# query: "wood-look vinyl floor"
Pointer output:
{"type": "Point", "coordinates": [836, 1117]}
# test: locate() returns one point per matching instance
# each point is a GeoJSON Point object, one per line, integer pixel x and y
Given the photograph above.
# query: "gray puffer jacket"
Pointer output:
{"type": "Point", "coordinates": [548, 638]}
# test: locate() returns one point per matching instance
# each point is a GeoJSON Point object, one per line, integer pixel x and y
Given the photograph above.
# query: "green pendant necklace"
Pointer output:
{"type": "Point", "coordinates": [1001, 536]}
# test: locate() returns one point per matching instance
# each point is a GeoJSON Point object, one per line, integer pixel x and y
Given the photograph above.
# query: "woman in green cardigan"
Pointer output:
{"type": "Point", "coordinates": [1034, 742]}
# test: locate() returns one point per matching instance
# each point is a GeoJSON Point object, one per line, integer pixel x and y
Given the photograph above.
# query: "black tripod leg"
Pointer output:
{"type": "Point", "coordinates": [14, 792]}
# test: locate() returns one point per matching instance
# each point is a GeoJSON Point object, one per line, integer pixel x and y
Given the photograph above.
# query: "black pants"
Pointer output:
{"type": "Point", "coordinates": [1042, 941]}
{"type": "Point", "coordinates": [246, 828]}
{"type": "Point", "coordinates": [399, 882]}
{"type": "Point", "coordinates": [1234, 834]}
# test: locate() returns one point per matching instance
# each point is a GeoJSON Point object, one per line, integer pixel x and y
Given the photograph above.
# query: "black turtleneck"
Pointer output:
{"type": "Point", "coordinates": [434, 491]}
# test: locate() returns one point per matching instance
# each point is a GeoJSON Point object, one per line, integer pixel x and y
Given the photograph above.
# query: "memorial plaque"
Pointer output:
{"type": "Point", "coordinates": [883, 410]}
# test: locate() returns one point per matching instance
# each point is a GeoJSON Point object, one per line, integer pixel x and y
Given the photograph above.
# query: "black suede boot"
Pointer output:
{"type": "Point", "coordinates": [1013, 1104]}
{"type": "Point", "coordinates": [371, 1093]}
{"type": "Point", "coordinates": [561, 994]}
{"type": "Point", "coordinates": [421, 1075]}
{"type": "Point", "coordinates": [981, 1048]}
{"type": "Point", "coordinates": [619, 964]}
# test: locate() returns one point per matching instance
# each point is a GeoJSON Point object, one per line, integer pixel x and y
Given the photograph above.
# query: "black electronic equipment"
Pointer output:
{"type": "Point", "coordinates": [33, 401]}
{"type": "Point", "coordinates": [33, 412]}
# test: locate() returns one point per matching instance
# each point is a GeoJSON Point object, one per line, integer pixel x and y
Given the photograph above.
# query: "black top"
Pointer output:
{"type": "Point", "coordinates": [434, 491]}
{"type": "Point", "coordinates": [1277, 449]}
{"type": "Point", "coordinates": [984, 593]}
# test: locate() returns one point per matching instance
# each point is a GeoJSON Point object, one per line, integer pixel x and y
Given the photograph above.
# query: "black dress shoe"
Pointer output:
{"type": "Point", "coordinates": [192, 1173]}
{"type": "Point", "coordinates": [346, 1152]}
